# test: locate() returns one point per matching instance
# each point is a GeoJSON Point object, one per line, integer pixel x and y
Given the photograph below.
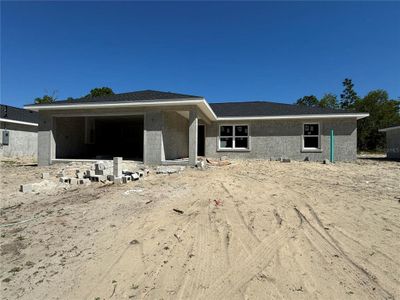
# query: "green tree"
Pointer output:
{"type": "Point", "coordinates": [383, 112]}
{"type": "Point", "coordinates": [308, 101]}
{"type": "Point", "coordinates": [349, 95]}
{"type": "Point", "coordinates": [45, 99]}
{"type": "Point", "coordinates": [98, 92]}
{"type": "Point", "coordinates": [329, 100]}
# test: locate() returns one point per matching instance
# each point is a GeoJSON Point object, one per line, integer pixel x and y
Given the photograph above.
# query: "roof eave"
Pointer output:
{"type": "Point", "coordinates": [18, 122]}
{"type": "Point", "coordinates": [358, 116]}
{"type": "Point", "coordinates": [389, 129]}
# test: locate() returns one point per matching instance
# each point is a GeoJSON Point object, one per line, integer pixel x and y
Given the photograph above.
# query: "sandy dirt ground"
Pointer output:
{"type": "Point", "coordinates": [250, 230]}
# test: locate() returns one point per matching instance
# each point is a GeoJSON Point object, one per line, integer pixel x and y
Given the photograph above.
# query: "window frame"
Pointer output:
{"type": "Point", "coordinates": [233, 136]}
{"type": "Point", "coordinates": [319, 136]}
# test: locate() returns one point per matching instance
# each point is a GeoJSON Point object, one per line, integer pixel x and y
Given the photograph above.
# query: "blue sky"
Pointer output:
{"type": "Point", "coordinates": [223, 51]}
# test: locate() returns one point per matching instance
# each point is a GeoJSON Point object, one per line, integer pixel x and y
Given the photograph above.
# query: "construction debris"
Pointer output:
{"type": "Point", "coordinates": [201, 165]}
{"type": "Point", "coordinates": [218, 163]}
{"type": "Point", "coordinates": [178, 210]}
{"type": "Point", "coordinates": [169, 169]}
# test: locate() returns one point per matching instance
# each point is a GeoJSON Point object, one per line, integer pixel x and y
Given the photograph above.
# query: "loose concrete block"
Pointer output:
{"type": "Point", "coordinates": [117, 180]}
{"type": "Point", "coordinates": [117, 168]}
{"type": "Point", "coordinates": [135, 176]}
{"type": "Point", "coordinates": [110, 177]}
{"type": "Point", "coordinates": [25, 188]}
{"type": "Point", "coordinates": [99, 172]}
{"type": "Point", "coordinates": [99, 166]}
{"type": "Point", "coordinates": [64, 179]}
{"type": "Point", "coordinates": [86, 181]}
{"type": "Point", "coordinates": [126, 179]}
{"type": "Point", "coordinates": [89, 173]}
{"type": "Point", "coordinates": [98, 178]}
{"type": "Point", "coordinates": [45, 175]}
{"type": "Point", "coordinates": [73, 181]}
{"type": "Point", "coordinates": [140, 173]}
{"type": "Point", "coordinates": [79, 175]}
{"type": "Point", "coordinates": [326, 162]}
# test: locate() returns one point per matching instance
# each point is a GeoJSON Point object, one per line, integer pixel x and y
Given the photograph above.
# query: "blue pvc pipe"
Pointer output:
{"type": "Point", "coordinates": [332, 148]}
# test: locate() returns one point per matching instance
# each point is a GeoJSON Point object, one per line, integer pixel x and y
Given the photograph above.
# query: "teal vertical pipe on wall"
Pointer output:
{"type": "Point", "coordinates": [332, 151]}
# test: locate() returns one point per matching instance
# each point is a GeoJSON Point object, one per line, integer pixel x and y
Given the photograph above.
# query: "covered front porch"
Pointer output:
{"type": "Point", "coordinates": [154, 137]}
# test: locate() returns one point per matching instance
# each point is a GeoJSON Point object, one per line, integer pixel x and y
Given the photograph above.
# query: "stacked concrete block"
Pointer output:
{"type": "Point", "coordinates": [117, 168]}
{"type": "Point", "coordinates": [79, 174]}
{"type": "Point", "coordinates": [99, 168]}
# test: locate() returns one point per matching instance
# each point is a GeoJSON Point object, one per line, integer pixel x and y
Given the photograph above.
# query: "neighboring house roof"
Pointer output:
{"type": "Point", "coordinates": [389, 128]}
{"type": "Point", "coordinates": [146, 95]}
{"type": "Point", "coordinates": [214, 111]}
{"type": "Point", "coordinates": [17, 115]}
{"type": "Point", "coordinates": [263, 108]}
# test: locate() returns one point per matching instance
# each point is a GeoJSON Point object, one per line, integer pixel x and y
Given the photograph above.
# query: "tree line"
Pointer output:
{"type": "Point", "coordinates": [383, 112]}
{"type": "Point", "coordinates": [96, 92]}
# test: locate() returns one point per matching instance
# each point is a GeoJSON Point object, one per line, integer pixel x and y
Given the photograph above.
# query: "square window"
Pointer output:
{"type": "Point", "coordinates": [241, 142]}
{"type": "Point", "coordinates": [311, 142]}
{"type": "Point", "coordinates": [226, 143]}
{"type": "Point", "coordinates": [226, 131]}
{"type": "Point", "coordinates": [311, 129]}
{"type": "Point", "coordinates": [241, 130]}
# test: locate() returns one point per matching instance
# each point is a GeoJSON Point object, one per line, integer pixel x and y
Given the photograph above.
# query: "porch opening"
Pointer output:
{"type": "Point", "coordinates": [100, 137]}
{"type": "Point", "coordinates": [201, 140]}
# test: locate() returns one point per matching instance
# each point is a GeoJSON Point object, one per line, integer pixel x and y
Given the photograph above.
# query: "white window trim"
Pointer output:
{"type": "Point", "coordinates": [233, 136]}
{"type": "Point", "coordinates": [311, 149]}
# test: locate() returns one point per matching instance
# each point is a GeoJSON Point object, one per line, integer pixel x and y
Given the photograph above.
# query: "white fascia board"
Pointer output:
{"type": "Point", "coordinates": [18, 122]}
{"type": "Point", "coordinates": [113, 105]}
{"type": "Point", "coordinates": [389, 128]}
{"type": "Point", "coordinates": [296, 117]}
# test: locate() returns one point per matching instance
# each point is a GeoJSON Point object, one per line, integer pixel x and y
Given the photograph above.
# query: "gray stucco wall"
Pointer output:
{"type": "Point", "coordinates": [23, 140]}
{"type": "Point", "coordinates": [283, 138]}
{"type": "Point", "coordinates": [175, 136]}
{"type": "Point", "coordinates": [70, 137]}
{"type": "Point", "coordinates": [393, 144]}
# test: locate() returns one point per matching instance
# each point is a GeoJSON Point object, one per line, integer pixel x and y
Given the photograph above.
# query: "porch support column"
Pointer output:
{"type": "Point", "coordinates": [46, 141]}
{"type": "Point", "coordinates": [193, 123]}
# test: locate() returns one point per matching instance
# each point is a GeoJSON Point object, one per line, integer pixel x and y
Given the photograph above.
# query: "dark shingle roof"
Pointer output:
{"type": "Point", "coordinates": [267, 109]}
{"type": "Point", "coordinates": [18, 114]}
{"type": "Point", "coordinates": [146, 95]}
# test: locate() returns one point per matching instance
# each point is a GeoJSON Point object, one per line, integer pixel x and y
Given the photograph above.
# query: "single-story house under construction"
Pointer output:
{"type": "Point", "coordinates": [18, 132]}
{"type": "Point", "coordinates": [392, 142]}
{"type": "Point", "coordinates": [160, 127]}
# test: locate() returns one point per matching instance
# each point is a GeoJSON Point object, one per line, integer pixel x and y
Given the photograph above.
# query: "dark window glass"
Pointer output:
{"type": "Point", "coordinates": [226, 142]}
{"type": "Point", "coordinates": [311, 129]}
{"type": "Point", "coordinates": [241, 142]}
{"type": "Point", "coordinates": [241, 130]}
{"type": "Point", "coordinates": [311, 142]}
{"type": "Point", "coordinates": [226, 131]}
